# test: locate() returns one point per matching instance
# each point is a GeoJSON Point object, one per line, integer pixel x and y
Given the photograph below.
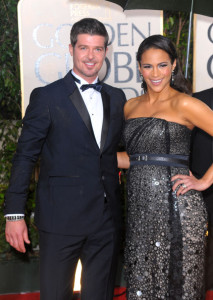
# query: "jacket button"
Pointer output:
{"type": "Point", "coordinates": [103, 177]}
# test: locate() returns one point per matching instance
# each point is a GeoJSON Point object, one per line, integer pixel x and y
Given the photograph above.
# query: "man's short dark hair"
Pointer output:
{"type": "Point", "coordinates": [88, 26]}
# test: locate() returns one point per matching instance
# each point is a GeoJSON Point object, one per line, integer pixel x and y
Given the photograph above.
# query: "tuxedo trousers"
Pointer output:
{"type": "Point", "coordinates": [98, 252]}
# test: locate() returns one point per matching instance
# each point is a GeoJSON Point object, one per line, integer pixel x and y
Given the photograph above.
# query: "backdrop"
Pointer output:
{"type": "Point", "coordinates": [203, 53]}
{"type": "Point", "coordinates": [44, 29]}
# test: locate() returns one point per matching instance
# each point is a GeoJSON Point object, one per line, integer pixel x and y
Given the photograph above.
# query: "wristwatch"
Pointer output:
{"type": "Point", "coordinates": [14, 218]}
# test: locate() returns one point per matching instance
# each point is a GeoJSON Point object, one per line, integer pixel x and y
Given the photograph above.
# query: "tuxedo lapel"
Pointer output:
{"type": "Point", "coordinates": [80, 106]}
{"type": "Point", "coordinates": [106, 118]}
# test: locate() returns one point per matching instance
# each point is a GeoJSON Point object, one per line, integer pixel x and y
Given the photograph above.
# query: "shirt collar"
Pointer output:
{"type": "Point", "coordinates": [82, 81]}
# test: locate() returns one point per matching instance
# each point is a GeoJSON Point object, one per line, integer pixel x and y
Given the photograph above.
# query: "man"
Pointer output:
{"type": "Point", "coordinates": [201, 159]}
{"type": "Point", "coordinates": [74, 128]}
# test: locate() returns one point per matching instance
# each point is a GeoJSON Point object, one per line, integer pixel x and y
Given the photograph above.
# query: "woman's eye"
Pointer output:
{"type": "Point", "coordinates": [146, 67]}
{"type": "Point", "coordinates": [163, 65]}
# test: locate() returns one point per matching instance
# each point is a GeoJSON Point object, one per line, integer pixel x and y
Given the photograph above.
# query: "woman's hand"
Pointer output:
{"type": "Point", "coordinates": [184, 183]}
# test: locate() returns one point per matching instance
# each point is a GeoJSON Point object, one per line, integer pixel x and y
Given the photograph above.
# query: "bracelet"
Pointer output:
{"type": "Point", "coordinates": [14, 218]}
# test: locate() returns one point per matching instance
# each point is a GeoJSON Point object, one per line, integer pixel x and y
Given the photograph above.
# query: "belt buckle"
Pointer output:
{"type": "Point", "coordinates": [144, 157]}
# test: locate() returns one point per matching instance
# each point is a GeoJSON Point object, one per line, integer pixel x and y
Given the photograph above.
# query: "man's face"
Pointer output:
{"type": "Point", "coordinates": [88, 56]}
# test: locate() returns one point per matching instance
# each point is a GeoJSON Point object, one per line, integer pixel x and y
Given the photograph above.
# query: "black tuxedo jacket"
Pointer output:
{"type": "Point", "coordinates": [202, 147]}
{"type": "Point", "coordinates": [74, 172]}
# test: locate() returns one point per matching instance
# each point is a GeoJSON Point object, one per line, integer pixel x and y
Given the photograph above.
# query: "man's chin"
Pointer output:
{"type": "Point", "coordinates": [90, 75]}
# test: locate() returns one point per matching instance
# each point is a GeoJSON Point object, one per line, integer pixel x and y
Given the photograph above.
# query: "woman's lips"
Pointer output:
{"type": "Point", "coordinates": [156, 82]}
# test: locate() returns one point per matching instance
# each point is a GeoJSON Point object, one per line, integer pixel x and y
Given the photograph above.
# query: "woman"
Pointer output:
{"type": "Point", "coordinates": [167, 219]}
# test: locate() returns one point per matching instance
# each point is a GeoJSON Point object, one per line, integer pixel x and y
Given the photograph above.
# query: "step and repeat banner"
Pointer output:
{"type": "Point", "coordinates": [203, 53]}
{"type": "Point", "coordinates": [44, 36]}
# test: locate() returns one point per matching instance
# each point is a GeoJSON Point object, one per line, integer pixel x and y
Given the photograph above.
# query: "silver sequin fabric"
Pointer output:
{"type": "Point", "coordinates": [166, 234]}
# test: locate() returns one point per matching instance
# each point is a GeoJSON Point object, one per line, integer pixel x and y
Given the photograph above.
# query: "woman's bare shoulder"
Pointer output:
{"type": "Point", "coordinates": [182, 100]}
{"type": "Point", "coordinates": [134, 100]}
{"type": "Point", "coordinates": [132, 104]}
{"type": "Point", "coordinates": [191, 110]}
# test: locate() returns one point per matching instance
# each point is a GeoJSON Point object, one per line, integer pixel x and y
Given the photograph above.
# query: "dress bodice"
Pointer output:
{"type": "Point", "coordinates": [154, 135]}
{"type": "Point", "coordinates": [165, 233]}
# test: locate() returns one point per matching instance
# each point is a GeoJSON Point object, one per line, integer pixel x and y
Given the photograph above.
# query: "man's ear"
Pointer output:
{"type": "Point", "coordinates": [71, 49]}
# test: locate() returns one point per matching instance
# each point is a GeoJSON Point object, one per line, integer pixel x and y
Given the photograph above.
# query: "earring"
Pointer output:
{"type": "Point", "coordinates": [141, 76]}
{"type": "Point", "coordinates": [173, 77]}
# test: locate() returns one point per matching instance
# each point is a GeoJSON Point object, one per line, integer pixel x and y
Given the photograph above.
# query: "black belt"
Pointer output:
{"type": "Point", "coordinates": [160, 159]}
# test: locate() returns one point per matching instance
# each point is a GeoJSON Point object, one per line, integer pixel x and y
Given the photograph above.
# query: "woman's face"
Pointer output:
{"type": "Point", "coordinates": [156, 68]}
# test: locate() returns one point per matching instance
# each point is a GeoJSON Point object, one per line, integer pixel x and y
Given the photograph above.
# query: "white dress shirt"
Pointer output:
{"type": "Point", "coordinates": [94, 105]}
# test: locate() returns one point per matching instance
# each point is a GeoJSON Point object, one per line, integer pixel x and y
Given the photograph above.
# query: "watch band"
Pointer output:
{"type": "Point", "coordinates": [14, 218]}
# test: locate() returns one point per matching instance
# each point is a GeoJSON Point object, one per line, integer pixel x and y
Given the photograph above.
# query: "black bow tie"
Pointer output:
{"type": "Point", "coordinates": [97, 86]}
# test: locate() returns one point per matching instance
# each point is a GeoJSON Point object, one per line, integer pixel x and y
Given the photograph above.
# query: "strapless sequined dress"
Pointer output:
{"type": "Point", "coordinates": [165, 239]}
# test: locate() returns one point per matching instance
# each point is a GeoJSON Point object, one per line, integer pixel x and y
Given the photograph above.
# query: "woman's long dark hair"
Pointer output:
{"type": "Point", "coordinates": [161, 42]}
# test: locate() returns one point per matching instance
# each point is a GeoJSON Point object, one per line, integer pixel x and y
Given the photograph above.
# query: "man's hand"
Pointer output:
{"type": "Point", "coordinates": [16, 234]}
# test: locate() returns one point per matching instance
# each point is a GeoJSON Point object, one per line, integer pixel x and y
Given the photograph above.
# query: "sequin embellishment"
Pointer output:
{"type": "Point", "coordinates": [165, 239]}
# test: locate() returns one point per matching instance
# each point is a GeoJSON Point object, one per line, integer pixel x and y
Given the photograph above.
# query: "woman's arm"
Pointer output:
{"type": "Point", "coordinates": [123, 160]}
{"type": "Point", "coordinates": [184, 183]}
{"type": "Point", "coordinates": [200, 115]}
